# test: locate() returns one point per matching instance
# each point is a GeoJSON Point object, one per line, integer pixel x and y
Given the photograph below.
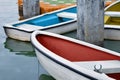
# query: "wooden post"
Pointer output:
{"type": "Point", "coordinates": [90, 15]}
{"type": "Point", "coordinates": [30, 8]}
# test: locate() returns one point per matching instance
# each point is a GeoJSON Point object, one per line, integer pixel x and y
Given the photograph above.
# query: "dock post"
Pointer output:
{"type": "Point", "coordinates": [90, 14]}
{"type": "Point", "coordinates": [30, 8]}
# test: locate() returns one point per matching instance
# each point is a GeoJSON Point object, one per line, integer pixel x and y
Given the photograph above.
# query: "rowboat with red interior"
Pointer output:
{"type": "Point", "coordinates": [69, 59]}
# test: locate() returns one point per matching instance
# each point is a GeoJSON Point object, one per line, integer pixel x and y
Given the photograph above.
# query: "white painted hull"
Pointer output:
{"type": "Point", "coordinates": [57, 71]}
{"type": "Point", "coordinates": [60, 72]}
{"type": "Point", "coordinates": [112, 34]}
{"type": "Point", "coordinates": [23, 35]}
{"type": "Point", "coordinates": [17, 34]}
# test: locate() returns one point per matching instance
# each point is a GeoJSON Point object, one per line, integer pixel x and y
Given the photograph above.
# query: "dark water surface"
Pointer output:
{"type": "Point", "coordinates": [17, 59]}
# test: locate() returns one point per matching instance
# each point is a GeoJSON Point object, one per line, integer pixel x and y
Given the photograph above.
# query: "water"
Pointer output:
{"type": "Point", "coordinates": [17, 59]}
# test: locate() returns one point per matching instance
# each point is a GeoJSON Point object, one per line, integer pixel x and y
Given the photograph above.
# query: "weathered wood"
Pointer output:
{"type": "Point", "coordinates": [90, 21]}
{"type": "Point", "coordinates": [30, 8]}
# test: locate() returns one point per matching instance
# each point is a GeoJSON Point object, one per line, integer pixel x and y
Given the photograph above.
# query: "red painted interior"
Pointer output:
{"type": "Point", "coordinates": [75, 52]}
{"type": "Point", "coordinates": [115, 76]}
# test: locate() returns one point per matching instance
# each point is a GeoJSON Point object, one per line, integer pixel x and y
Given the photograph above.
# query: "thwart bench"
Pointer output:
{"type": "Point", "coordinates": [108, 66]}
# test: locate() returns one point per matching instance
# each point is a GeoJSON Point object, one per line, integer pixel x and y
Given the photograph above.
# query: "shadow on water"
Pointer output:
{"type": "Point", "coordinates": [26, 49]}
{"type": "Point", "coordinates": [112, 45]}
{"type": "Point", "coordinates": [46, 77]}
{"type": "Point", "coordinates": [72, 34]}
{"type": "Point", "coordinates": [20, 47]}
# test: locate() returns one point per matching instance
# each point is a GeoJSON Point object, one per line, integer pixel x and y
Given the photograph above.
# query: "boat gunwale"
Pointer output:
{"type": "Point", "coordinates": [59, 59]}
{"type": "Point", "coordinates": [111, 5]}
{"type": "Point", "coordinates": [113, 28]}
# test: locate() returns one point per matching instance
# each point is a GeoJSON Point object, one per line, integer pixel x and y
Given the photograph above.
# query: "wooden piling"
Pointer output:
{"type": "Point", "coordinates": [90, 21]}
{"type": "Point", "coordinates": [30, 8]}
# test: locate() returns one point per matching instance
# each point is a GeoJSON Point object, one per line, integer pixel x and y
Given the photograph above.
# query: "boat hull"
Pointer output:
{"type": "Point", "coordinates": [23, 35]}
{"type": "Point", "coordinates": [112, 33]}
{"type": "Point", "coordinates": [17, 34]}
{"type": "Point", "coordinates": [57, 71]}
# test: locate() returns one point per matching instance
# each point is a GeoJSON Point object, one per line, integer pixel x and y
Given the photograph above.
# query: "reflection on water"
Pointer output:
{"type": "Point", "coordinates": [28, 63]}
{"type": "Point", "coordinates": [46, 77]}
{"type": "Point", "coordinates": [25, 48]}
{"type": "Point", "coordinates": [21, 48]}
{"type": "Point", "coordinates": [112, 45]}
{"type": "Point", "coordinates": [72, 34]}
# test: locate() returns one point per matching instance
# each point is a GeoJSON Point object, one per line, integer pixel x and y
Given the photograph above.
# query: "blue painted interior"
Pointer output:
{"type": "Point", "coordinates": [46, 20]}
{"type": "Point", "coordinates": [49, 19]}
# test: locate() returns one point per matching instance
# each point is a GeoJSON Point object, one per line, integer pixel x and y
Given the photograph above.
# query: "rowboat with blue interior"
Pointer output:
{"type": "Point", "coordinates": [51, 22]}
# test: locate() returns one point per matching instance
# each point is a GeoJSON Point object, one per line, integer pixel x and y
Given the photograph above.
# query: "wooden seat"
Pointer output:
{"type": "Point", "coordinates": [111, 26]}
{"type": "Point", "coordinates": [112, 13]}
{"type": "Point", "coordinates": [29, 27]}
{"type": "Point", "coordinates": [106, 19]}
{"type": "Point", "coordinates": [74, 15]}
{"type": "Point", "coordinates": [108, 66]}
{"type": "Point", "coordinates": [67, 15]}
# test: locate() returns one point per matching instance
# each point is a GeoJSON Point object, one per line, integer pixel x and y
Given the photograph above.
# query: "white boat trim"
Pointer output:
{"type": "Point", "coordinates": [112, 13]}
{"type": "Point", "coordinates": [29, 27]}
{"type": "Point", "coordinates": [67, 15]}
{"type": "Point", "coordinates": [111, 5]}
{"type": "Point", "coordinates": [112, 26]}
